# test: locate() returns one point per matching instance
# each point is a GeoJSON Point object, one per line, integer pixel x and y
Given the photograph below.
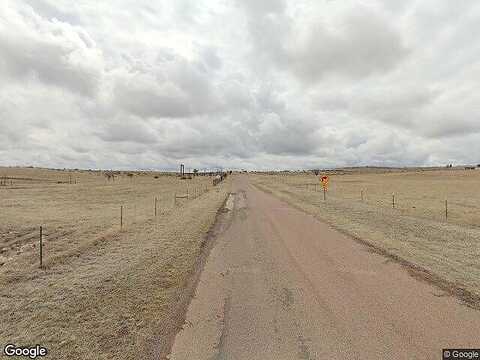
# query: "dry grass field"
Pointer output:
{"type": "Point", "coordinates": [104, 292]}
{"type": "Point", "coordinates": [415, 231]}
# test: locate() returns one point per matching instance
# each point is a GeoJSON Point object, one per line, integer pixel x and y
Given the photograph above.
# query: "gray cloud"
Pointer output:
{"type": "Point", "coordinates": [172, 87]}
{"type": "Point", "coordinates": [51, 52]}
{"type": "Point", "coordinates": [364, 44]}
{"type": "Point", "coordinates": [55, 10]}
{"type": "Point", "coordinates": [129, 129]}
{"type": "Point", "coordinates": [286, 135]}
{"type": "Point", "coordinates": [261, 8]}
{"type": "Point", "coordinates": [399, 106]}
{"type": "Point", "coordinates": [253, 84]}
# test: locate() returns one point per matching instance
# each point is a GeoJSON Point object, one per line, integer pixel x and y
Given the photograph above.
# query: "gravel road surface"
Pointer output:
{"type": "Point", "coordinates": [279, 284]}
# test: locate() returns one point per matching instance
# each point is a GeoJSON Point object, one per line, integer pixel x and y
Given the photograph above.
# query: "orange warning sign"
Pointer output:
{"type": "Point", "coordinates": [324, 181]}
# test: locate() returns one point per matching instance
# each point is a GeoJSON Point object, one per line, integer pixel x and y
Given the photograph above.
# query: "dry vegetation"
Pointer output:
{"type": "Point", "coordinates": [104, 293]}
{"type": "Point", "coordinates": [416, 231]}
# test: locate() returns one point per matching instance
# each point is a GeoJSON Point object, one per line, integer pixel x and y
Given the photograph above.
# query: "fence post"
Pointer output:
{"type": "Point", "coordinates": [121, 216]}
{"type": "Point", "coordinates": [41, 247]}
{"type": "Point", "coordinates": [393, 200]}
{"type": "Point", "coordinates": [155, 206]}
{"type": "Point", "coordinates": [446, 210]}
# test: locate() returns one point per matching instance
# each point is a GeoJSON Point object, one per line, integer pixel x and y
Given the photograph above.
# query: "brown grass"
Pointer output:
{"type": "Point", "coordinates": [415, 232]}
{"type": "Point", "coordinates": [104, 293]}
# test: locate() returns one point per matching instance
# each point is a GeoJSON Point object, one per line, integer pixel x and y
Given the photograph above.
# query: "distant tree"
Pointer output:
{"type": "Point", "coordinates": [195, 171]}
{"type": "Point", "coordinates": [316, 172]}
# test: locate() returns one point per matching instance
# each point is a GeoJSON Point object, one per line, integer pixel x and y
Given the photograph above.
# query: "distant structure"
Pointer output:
{"type": "Point", "coordinates": [182, 170]}
{"type": "Point", "coordinates": [110, 175]}
{"type": "Point", "coordinates": [219, 177]}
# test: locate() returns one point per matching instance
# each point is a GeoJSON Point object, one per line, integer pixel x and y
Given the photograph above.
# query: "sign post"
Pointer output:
{"type": "Point", "coordinates": [324, 181]}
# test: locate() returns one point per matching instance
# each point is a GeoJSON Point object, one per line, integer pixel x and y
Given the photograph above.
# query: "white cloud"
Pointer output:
{"type": "Point", "coordinates": [252, 84]}
{"type": "Point", "coordinates": [49, 51]}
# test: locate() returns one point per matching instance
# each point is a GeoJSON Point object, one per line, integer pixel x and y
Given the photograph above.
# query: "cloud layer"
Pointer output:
{"type": "Point", "coordinates": [238, 83]}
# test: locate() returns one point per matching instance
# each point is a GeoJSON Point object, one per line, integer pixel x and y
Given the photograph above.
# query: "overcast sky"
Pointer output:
{"type": "Point", "coordinates": [250, 84]}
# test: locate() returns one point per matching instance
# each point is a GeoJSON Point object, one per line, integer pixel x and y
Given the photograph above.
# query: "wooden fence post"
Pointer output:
{"type": "Point", "coordinates": [393, 200]}
{"type": "Point", "coordinates": [41, 247]}
{"type": "Point", "coordinates": [121, 216]}
{"type": "Point", "coordinates": [155, 207]}
{"type": "Point", "coordinates": [446, 210]}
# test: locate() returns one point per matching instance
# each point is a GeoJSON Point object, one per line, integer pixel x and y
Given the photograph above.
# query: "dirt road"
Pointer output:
{"type": "Point", "coordinates": [280, 284]}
